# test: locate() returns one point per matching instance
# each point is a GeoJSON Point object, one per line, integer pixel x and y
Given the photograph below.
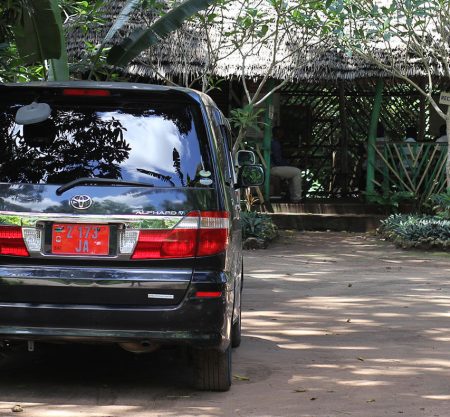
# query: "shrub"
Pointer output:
{"type": "Point", "coordinates": [415, 231]}
{"type": "Point", "coordinates": [259, 226]}
{"type": "Point", "coordinates": [441, 205]}
{"type": "Point", "coordinates": [392, 200]}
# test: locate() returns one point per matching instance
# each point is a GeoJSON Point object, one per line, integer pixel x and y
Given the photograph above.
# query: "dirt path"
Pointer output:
{"type": "Point", "coordinates": [334, 325]}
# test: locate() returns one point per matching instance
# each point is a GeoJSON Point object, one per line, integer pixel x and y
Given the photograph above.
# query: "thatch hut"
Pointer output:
{"type": "Point", "coordinates": [326, 104]}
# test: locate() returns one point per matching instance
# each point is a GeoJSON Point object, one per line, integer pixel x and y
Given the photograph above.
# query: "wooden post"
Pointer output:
{"type": "Point", "coordinates": [370, 191]}
{"type": "Point", "coordinates": [343, 151]}
{"type": "Point", "coordinates": [386, 182]}
{"type": "Point", "coordinates": [268, 139]}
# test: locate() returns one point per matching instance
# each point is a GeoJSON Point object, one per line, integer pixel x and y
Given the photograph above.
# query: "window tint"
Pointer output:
{"type": "Point", "coordinates": [222, 146]}
{"type": "Point", "coordinates": [160, 143]}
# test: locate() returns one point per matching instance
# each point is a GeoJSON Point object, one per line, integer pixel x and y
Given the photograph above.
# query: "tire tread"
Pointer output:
{"type": "Point", "coordinates": [213, 370]}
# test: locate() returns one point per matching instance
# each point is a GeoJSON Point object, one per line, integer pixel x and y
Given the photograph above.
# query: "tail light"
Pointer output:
{"type": "Point", "coordinates": [11, 241]}
{"type": "Point", "coordinates": [213, 232]}
{"type": "Point", "coordinates": [208, 294]}
{"type": "Point", "coordinates": [198, 234]}
{"type": "Point", "coordinates": [91, 92]}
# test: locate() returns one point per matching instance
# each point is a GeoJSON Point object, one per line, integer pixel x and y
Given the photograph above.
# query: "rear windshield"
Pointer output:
{"type": "Point", "coordinates": [152, 139]}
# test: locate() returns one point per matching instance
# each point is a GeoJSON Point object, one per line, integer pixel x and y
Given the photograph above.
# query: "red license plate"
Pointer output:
{"type": "Point", "coordinates": [80, 239]}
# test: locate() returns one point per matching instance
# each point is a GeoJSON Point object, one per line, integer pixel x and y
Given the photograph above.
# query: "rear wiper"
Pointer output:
{"type": "Point", "coordinates": [106, 181]}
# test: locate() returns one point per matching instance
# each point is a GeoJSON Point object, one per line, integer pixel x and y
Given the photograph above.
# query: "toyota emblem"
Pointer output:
{"type": "Point", "coordinates": [81, 202]}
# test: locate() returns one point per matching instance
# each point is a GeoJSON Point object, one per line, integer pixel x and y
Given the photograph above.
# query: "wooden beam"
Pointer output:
{"type": "Point", "coordinates": [344, 168]}
{"type": "Point", "coordinates": [267, 143]}
{"type": "Point", "coordinates": [370, 176]}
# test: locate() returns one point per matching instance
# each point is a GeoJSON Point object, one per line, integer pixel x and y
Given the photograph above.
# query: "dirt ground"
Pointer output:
{"type": "Point", "coordinates": [334, 324]}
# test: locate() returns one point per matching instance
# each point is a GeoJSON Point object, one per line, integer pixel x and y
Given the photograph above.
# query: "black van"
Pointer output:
{"type": "Point", "coordinates": [119, 220]}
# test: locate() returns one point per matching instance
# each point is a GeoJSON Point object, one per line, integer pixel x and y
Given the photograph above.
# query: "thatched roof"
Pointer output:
{"type": "Point", "coordinates": [185, 53]}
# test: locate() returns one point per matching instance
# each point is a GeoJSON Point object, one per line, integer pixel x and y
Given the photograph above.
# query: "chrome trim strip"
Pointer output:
{"type": "Point", "coordinates": [56, 333]}
{"type": "Point", "coordinates": [161, 296]}
{"type": "Point", "coordinates": [75, 274]}
{"type": "Point", "coordinates": [88, 307]}
{"type": "Point", "coordinates": [174, 285]}
{"type": "Point", "coordinates": [134, 221]}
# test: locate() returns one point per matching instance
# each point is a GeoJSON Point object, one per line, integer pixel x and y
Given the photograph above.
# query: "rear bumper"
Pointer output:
{"type": "Point", "coordinates": [202, 322]}
{"type": "Point", "coordinates": [198, 339]}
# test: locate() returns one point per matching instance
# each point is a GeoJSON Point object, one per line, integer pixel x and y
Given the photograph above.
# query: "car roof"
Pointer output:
{"type": "Point", "coordinates": [196, 95]}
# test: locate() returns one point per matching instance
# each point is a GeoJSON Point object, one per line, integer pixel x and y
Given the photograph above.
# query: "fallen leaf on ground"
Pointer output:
{"type": "Point", "coordinates": [349, 285]}
{"type": "Point", "coordinates": [300, 390]}
{"type": "Point", "coordinates": [360, 359]}
{"type": "Point", "coordinates": [349, 320]}
{"type": "Point", "coordinates": [313, 398]}
{"type": "Point", "coordinates": [241, 378]}
{"type": "Point", "coordinates": [370, 401]}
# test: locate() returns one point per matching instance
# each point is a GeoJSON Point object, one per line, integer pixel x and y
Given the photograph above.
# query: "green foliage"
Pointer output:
{"type": "Point", "coordinates": [392, 200]}
{"type": "Point", "coordinates": [258, 225]}
{"type": "Point", "coordinates": [396, 36]}
{"type": "Point", "coordinates": [415, 231]}
{"type": "Point", "coordinates": [36, 31]}
{"type": "Point", "coordinates": [122, 19]}
{"type": "Point", "coordinates": [246, 118]}
{"type": "Point", "coordinates": [12, 68]}
{"type": "Point", "coordinates": [441, 205]}
{"type": "Point", "coordinates": [31, 34]}
{"type": "Point", "coordinates": [311, 183]}
{"type": "Point", "coordinates": [84, 15]}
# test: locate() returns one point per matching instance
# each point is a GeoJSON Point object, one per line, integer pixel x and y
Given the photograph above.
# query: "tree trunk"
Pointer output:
{"type": "Point", "coordinates": [239, 139]}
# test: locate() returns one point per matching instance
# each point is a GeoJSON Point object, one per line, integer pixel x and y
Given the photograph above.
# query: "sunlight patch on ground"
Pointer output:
{"type": "Point", "coordinates": [388, 372]}
{"type": "Point", "coordinates": [436, 397]}
{"type": "Point", "coordinates": [348, 382]}
{"type": "Point", "coordinates": [46, 410]}
{"type": "Point", "coordinates": [325, 303]}
{"type": "Point", "coordinates": [435, 314]}
{"type": "Point", "coordinates": [286, 275]}
{"type": "Point", "coordinates": [304, 346]}
{"type": "Point", "coordinates": [363, 383]}
{"type": "Point", "coordinates": [392, 261]}
{"type": "Point", "coordinates": [273, 339]}
{"type": "Point", "coordinates": [438, 363]}
{"type": "Point", "coordinates": [278, 314]}
{"type": "Point", "coordinates": [439, 334]}
{"type": "Point", "coordinates": [434, 300]}
{"type": "Point", "coordinates": [388, 315]}
{"type": "Point", "coordinates": [250, 323]}
{"type": "Point", "coordinates": [299, 332]}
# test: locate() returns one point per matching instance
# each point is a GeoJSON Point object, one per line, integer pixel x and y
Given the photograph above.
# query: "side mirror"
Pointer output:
{"type": "Point", "coordinates": [245, 158]}
{"type": "Point", "coordinates": [250, 176]}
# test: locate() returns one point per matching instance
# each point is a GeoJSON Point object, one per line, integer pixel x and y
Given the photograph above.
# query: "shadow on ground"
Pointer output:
{"type": "Point", "coordinates": [334, 324]}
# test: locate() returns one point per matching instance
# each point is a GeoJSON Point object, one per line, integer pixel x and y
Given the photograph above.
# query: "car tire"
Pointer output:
{"type": "Point", "coordinates": [213, 369]}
